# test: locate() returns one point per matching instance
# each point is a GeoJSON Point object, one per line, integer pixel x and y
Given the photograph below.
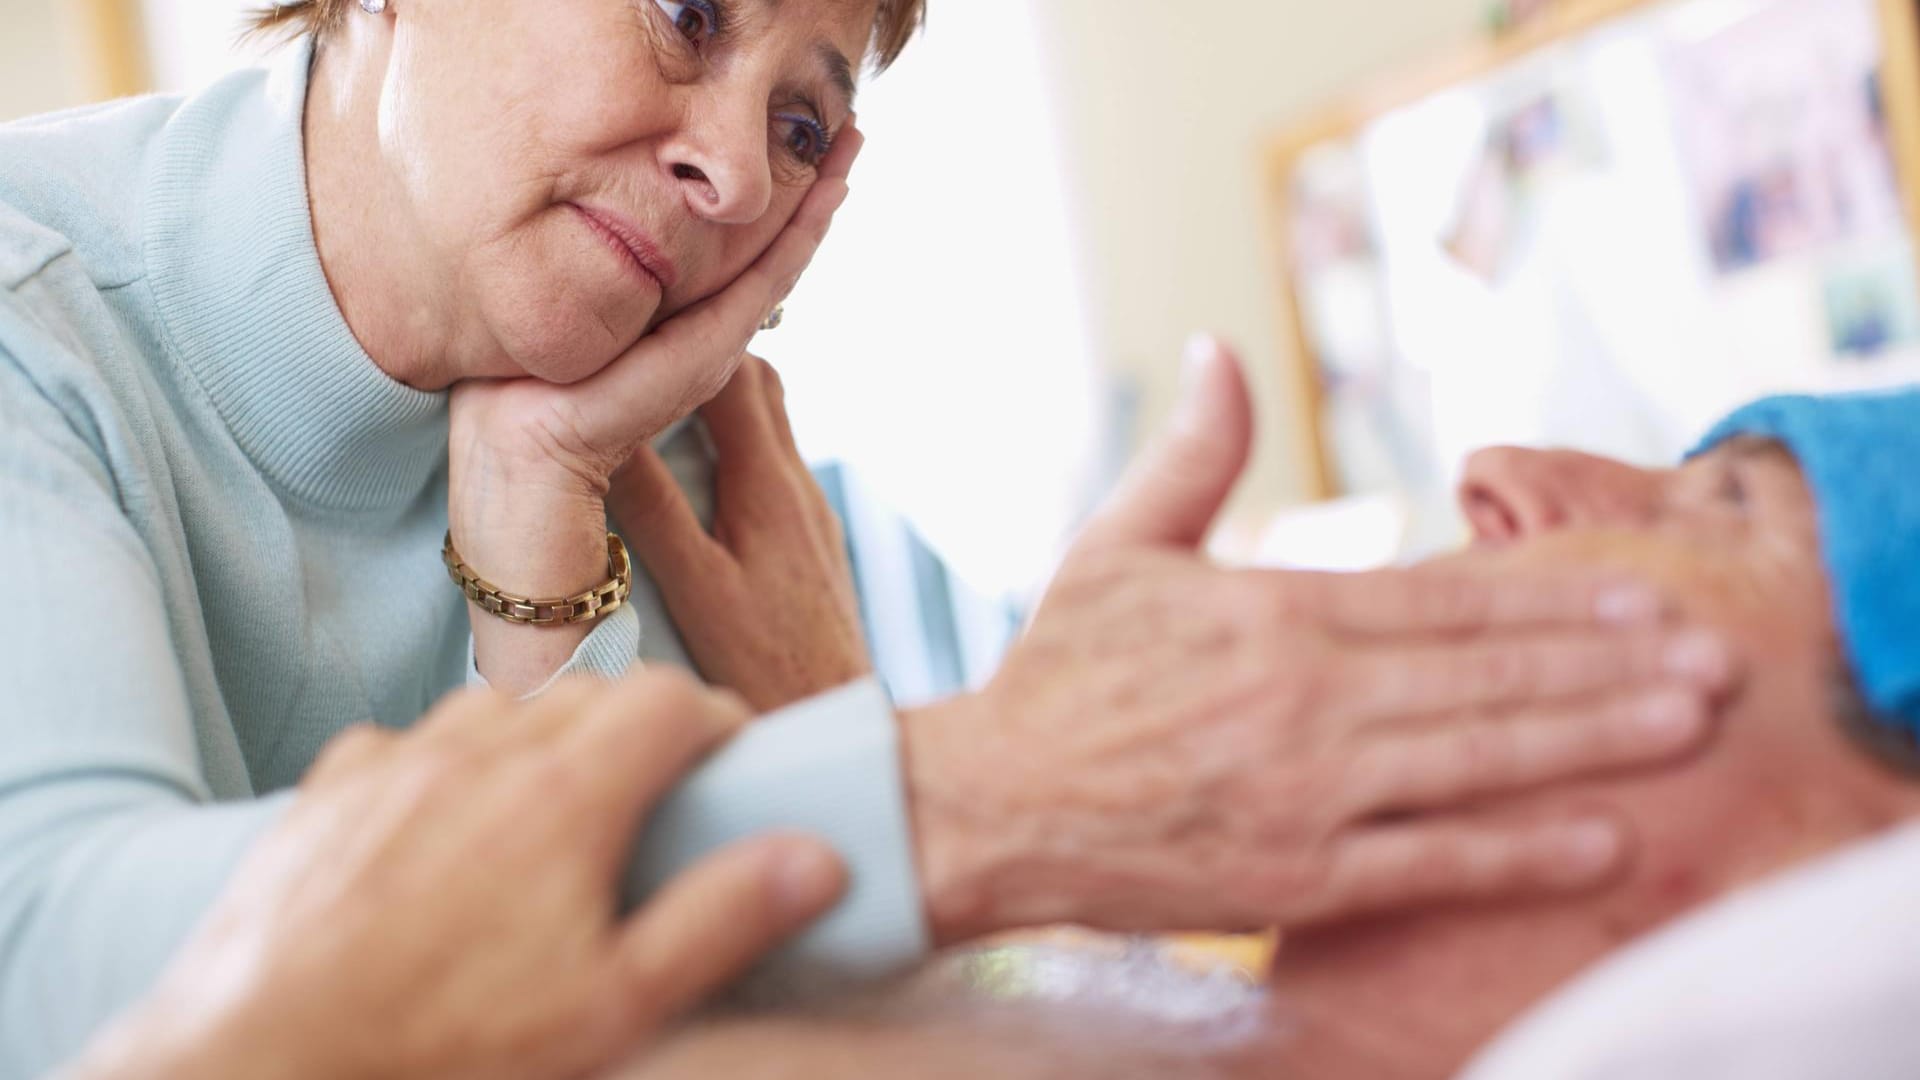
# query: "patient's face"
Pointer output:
{"type": "Point", "coordinates": [1732, 533]}
{"type": "Point", "coordinates": [1733, 537]}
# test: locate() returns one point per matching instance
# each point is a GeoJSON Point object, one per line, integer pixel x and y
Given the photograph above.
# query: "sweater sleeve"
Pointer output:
{"type": "Point", "coordinates": [609, 651]}
{"type": "Point", "coordinates": [829, 766]}
{"type": "Point", "coordinates": [111, 843]}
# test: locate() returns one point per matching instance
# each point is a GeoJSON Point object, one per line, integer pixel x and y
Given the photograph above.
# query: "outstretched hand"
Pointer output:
{"type": "Point", "coordinates": [1174, 745]}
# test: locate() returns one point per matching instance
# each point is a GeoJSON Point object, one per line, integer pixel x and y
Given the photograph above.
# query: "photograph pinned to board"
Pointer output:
{"type": "Point", "coordinates": [1781, 129]}
{"type": "Point", "coordinates": [1538, 138]}
{"type": "Point", "coordinates": [1375, 410]}
{"type": "Point", "coordinates": [1872, 303]}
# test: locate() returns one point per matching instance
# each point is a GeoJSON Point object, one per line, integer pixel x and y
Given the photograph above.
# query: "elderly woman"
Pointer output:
{"type": "Point", "coordinates": [278, 358]}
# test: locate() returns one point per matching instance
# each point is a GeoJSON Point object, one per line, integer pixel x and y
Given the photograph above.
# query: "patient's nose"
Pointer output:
{"type": "Point", "coordinates": [1509, 494]}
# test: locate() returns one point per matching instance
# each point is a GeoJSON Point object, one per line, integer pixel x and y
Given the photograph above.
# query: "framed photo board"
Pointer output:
{"type": "Point", "coordinates": [115, 47]}
{"type": "Point", "coordinates": [1601, 231]}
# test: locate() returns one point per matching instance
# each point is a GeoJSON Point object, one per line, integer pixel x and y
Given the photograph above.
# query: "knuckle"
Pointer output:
{"type": "Point", "coordinates": [664, 688]}
{"type": "Point", "coordinates": [353, 744]}
{"type": "Point", "coordinates": [442, 765]}
{"type": "Point", "coordinates": [685, 702]}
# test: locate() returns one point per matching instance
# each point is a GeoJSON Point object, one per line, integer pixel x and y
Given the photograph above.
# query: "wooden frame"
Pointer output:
{"type": "Point", "coordinates": [116, 50]}
{"type": "Point", "coordinates": [1346, 118]}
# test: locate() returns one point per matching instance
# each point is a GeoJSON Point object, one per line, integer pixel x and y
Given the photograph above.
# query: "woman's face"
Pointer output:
{"type": "Point", "coordinates": [582, 169]}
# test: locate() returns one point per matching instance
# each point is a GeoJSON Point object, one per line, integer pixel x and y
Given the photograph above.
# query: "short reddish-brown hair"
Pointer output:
{"type": "Point", "coordinates": [893, 26]}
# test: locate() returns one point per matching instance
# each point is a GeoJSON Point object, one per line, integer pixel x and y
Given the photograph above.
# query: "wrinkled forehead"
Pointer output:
{"type": "Point", "coordinates": [1758, 449]}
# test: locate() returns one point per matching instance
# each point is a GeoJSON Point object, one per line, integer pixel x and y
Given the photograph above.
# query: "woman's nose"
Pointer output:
{"type": "Point", "coordinates": [1509, 494]}
{"type": "Point", "coordinates": [722, 167]}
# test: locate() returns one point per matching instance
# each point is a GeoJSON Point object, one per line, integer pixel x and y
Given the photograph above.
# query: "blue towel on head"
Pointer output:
{"type": "Point", "coordinates": [1860, 454]}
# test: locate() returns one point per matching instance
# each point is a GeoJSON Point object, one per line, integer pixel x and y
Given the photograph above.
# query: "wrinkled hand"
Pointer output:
{"type": "Point", "coordinates": [530, 462]}
{"type": "Point", "coordinates": [443, 903]}
{"type": "Point", "coordinates": [1178, 746]}
{"type": "Point", "coordinates": [765, 603]}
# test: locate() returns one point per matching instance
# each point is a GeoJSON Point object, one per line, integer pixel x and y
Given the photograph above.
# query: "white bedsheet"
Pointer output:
{"type": "Point", "coordinates": [1812, 975]}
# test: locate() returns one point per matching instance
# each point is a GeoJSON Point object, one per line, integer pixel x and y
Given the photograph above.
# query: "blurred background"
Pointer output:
{"type": "Point", "coordinates": [1429, 224]}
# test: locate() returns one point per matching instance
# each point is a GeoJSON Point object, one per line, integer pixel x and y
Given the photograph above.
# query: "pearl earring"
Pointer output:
{"type": "Point", "coordinates": [374, 7]}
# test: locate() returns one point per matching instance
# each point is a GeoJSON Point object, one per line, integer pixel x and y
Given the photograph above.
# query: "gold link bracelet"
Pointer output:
{"type": "Point", "coordinates": [586, 607]}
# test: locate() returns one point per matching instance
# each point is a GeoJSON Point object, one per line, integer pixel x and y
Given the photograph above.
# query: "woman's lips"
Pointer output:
{"type": "Point", "coordinates": [628, 240]}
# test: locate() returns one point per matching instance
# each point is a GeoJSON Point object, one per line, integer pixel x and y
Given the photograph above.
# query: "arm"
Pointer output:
{"type": "Point", "coordinates": [421, 884]}
{"type": "Point", "coordinates": [111, 847]}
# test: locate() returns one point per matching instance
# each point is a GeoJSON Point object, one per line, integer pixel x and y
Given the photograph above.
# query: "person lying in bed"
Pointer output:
{"type": "Point", "coordinates": [1796, 529]}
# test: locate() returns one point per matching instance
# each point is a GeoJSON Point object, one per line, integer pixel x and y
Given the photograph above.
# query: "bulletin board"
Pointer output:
{"type": "Point", "coordinates": [1600, 230]}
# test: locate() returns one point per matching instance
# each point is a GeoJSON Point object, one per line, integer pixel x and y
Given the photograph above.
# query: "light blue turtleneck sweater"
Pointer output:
{"type": "Point", "coordinates": [219, 545]}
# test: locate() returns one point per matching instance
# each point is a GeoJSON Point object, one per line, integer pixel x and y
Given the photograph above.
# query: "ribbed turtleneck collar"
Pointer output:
{"type": "Point", "coordinates": [236, 275]}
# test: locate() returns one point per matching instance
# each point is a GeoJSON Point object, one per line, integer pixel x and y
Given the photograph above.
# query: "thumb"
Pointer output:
{"type": "Point", "coordinates": [1173, 493]}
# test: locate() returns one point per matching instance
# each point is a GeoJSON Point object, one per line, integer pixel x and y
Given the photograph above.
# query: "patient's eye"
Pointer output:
{"type": "Point", "coordinates": [1731, 485]}
{"type": "Point", "coordinates": [696, 20]}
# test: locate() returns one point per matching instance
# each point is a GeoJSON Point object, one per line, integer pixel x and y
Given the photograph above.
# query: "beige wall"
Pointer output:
{"type": "Point", "coordinates": [1165, 109]}
{"type": "Point", "coordinates": [38, 70]}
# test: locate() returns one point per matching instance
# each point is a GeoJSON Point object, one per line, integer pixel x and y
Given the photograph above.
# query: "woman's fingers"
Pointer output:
{"type": "Point", "coordinates": [847, 145]}
{"type": "Point", "coordinates": [711, 923]}
{"type": "Point", "coordinates": [1449, 763]}
{"type": "Point", "coordinates": [737, 417]}
{"type": "Point", "coordinates": [1459, 599]}
{"type": "Point", "coordinates": [1382, 683]}
{"type": "Point", "coordinates": [1405, 867]}
{"type": "Point", "coordinates": [659, 523]}
{"type": "Point", "coordinates": [776, 391]}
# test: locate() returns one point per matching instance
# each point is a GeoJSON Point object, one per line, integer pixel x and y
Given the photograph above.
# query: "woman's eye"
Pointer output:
{"type": "Point", "coordinates": [804, 137]}
{"type": "Point", "coordinates": [696, 20]}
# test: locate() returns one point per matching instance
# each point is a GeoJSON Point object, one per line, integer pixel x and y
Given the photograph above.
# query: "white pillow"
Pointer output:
{"type": "Point", "coordinates": [1810, 975]}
